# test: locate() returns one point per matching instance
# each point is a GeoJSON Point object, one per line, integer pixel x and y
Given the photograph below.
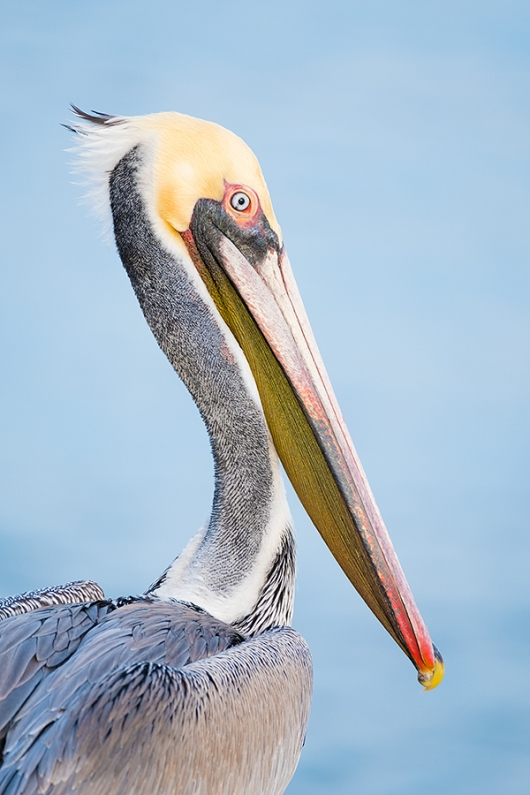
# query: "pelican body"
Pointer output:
{"type": "Point", "coordinates": [200, 686]}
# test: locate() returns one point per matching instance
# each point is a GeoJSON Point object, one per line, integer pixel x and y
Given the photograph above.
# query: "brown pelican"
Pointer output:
{"type": "Point", "coordinates": [200, 686]}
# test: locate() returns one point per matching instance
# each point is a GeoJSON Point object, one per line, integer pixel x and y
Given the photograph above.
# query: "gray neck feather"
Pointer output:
{"type": "Point", "coordinates": [188, 331]}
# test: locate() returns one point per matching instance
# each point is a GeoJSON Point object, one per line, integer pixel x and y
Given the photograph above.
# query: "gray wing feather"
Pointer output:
{"type": "Point", "coordinates": [70, 593]}
{"type": "Point", "coordinates": [229, 723]}
{"type": "Point", "coordinates": [31, 646]}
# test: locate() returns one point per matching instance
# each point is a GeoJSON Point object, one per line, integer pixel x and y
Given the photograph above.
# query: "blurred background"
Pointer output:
{"type": "Point", "coordinates": [395, 141]}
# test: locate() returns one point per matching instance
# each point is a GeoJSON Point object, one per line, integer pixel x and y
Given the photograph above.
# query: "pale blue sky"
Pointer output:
{"type": "Point", "coordinates": [395, 140]}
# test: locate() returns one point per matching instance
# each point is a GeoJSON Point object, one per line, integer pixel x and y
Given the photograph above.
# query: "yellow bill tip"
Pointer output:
{"type": "Point", "coordinates": [432, 677]}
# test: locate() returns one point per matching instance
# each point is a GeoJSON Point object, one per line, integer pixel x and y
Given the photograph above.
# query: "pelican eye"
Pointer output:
{"type": "Point", "coordinates": [240, 201]}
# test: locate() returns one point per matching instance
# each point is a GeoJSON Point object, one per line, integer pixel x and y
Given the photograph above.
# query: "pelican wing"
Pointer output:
{"type": "Point", "coordinates": [70, 593]}
{"type": "Point", "coordinates": [33, 645]}
{"type": "Point", "coordinates": [161, 698]}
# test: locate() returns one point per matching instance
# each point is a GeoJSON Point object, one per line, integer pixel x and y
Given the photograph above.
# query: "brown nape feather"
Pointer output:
{"type": "Point", "coordinates": [96, 117]}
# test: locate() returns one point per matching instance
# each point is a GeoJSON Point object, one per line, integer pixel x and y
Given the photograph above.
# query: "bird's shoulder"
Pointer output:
{"type": "Point", "coordinates": [75, 592]}
{"type": "Point", "coordinates": [148, 629]}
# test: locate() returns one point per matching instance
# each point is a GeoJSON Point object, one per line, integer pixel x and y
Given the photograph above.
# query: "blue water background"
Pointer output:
{"type": "Point", "coordinates": [395, 141]}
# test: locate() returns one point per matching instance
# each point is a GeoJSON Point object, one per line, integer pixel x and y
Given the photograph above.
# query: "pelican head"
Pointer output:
{"type": "Point", "coordinates": [208, 204]}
